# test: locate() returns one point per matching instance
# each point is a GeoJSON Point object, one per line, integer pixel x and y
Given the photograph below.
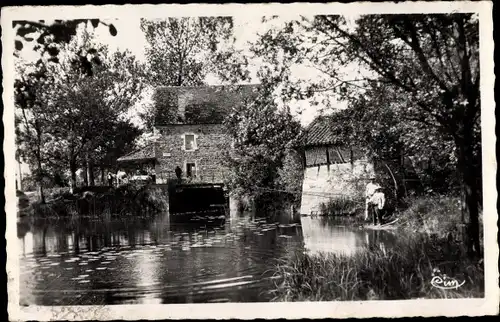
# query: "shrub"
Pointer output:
{"type": "Point", "coordinates": [127, 200]}
{"type": "Point", "coordinates": [23, 203]}
{"type": "Point", "coordinates": [339, 207]}
{"type": "Point", "coordinates": [432, 215]}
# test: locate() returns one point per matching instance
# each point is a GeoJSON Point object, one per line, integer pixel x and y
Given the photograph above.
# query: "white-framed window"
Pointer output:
{"type": "Point", "coordinates": [189, 142]}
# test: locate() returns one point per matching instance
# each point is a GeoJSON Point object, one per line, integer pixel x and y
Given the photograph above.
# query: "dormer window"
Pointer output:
{"type": "Point", "coordinates": [190, 142]}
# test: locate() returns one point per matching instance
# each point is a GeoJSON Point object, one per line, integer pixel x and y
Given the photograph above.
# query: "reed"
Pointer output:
{"type": "Point", "coordinates": [402, 272]}
{"type": "Point", "coordinates": [340, 206]}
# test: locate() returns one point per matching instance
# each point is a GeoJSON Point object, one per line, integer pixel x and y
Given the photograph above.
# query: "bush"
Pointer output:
{"type": "Point", "coordinates": [402, 272]}
{"type": "Point", "coordinates": [339, 207]}
{"type": "Point", "coordinates": [23, 203]}
{"type": "Point", "coordinates": [127, 200]}
{"type": "Point", "coordinates": [55, 193]}
{"type": "Point", "coordinates": [49, 181]}
{"type": "Point", "coordinates": [272, 201]}
{"type": "Point", "coordinates": [432, 215]}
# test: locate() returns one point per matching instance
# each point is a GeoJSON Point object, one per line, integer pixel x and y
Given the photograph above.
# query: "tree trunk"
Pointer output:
{"type": "Point", "coordinates": [90, 173]}
{"type": "Point", "coordinates": [40, 182]}
{"type": "Point", "coordinates": [72, 168]}
{"type": "Point", "coordinates": [102, 177]}
{"type": "Point", "coordinates": [85, 174]}
{"type": "Point", "coordinates": [467, 169]}
{"type": "Point", "coordinates": [41, 193]}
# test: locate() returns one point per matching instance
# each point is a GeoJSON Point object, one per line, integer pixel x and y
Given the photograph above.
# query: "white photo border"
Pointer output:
{"type": "Point", "coordinates": [358, 309]}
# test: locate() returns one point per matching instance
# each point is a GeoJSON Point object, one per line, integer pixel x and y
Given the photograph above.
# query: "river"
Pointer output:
{"type": "Point", "coordinates": [154, 261]}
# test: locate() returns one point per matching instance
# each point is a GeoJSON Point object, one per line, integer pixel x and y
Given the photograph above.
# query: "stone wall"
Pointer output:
{"type": "Point", "coordinates": [211, 142]}
{"type": "Point", "coordinates": [345, 180]}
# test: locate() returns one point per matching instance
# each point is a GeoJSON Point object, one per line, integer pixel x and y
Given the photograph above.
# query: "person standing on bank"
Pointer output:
{"type": "Point", "coordinates": [378, 202]}
{"type": "Point", "coordinates": [178, 173]}
{"type": "Point", "coordinates": [110, 179]}
{"type": "Point", "coordinates": [371, 187]}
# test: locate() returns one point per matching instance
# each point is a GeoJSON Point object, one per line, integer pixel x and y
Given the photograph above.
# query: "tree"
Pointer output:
{"type": "Point", "coordinates": [182, 51]}
{"type": "Point", "coordinates": [90, 107]}
{"type": "Point", "coordinates": [81, 106]}
{"type": "Point", "coordinates": [120, 141]}
{"type": "Point", "coordinates": [401, 149]}
{"type": "Point", "coordinates": [261, 132]}
{"type": "Point", "coordinates": [291, 174]}
{"type": "Point", "coordinates": [31, 120]}
{"type": "Point", "coordinates": [32, 85]}
{"type": "Point", "coordinates": [429, 61]}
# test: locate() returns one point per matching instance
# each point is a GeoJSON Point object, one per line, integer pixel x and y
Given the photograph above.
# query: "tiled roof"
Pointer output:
{"type": "Point", "coordinates": [320, 132]}
{"type": "Point", "coordinates": [144, 154]}
{"type": "Point", "coordinates": [175, 99]}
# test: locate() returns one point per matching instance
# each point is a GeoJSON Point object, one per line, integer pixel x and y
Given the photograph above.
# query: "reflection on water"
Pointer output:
{"type": "Point", "coordinates": [157, 261]}
{"type": "Point", "coordinates": [327, 236]}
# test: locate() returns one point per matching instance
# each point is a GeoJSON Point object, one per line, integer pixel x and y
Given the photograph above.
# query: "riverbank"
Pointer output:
{"type": "Point", "coordinates": [429, 245]}
{"type": "Point", "coordinates": [410, 270]}
{"type": "Point", "coordinates": [432, 215]}
{"type": "Point", "coordinates": [439, 216]}
{"type": "Point", "coordinates": [97, 202]}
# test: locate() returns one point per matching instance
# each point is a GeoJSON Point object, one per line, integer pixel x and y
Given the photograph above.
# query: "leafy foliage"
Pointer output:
{"type": "Point", "coordinates": [261, 133]}
{"type": "Point", "coordinates": [94, 106]}
{"type": "Point", "coordinates": [71, 114]}
{"type": "Point", "coordinates": [291, 174]}
{"type": "Point", "coordinates": [182, 51]}
{"type": "Point", "coordinates": [164, 109]}
{"type": "Point", "coordinates": [49, 35]}
{"type": "Point", "coordinates": [422, 69]}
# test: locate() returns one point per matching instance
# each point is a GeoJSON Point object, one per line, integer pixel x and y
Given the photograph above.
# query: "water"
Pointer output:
{"type": "Point", "coordinates": [157, 261]}
{"type": "Point", "coordinates": [323, 235]}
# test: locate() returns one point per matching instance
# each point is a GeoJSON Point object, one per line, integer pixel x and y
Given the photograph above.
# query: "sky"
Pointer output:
{"type": "Point", "coordinates": [130, 37]}
{"type": "Point", "coordinates": [246, 30]}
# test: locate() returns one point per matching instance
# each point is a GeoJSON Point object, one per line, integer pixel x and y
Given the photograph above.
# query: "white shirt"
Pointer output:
{"type": "Point", "coordinates": [370, 189]}
{"type": "Point", "coordinates": [378, 199]}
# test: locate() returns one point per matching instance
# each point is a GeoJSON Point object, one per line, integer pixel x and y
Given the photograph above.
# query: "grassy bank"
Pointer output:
{"type": "Point", "coordinates": [429, 245]}
{"type": "Point", "coordinates": [343, 210]}
{"type": "Point", "coordinates": [437, 216]}
{"type": "Point", "coordinates": [404, 271]}
{"type": "Point", "coordinates": [102, 202]}
{"type": "Point", "coordinates": [335, 207]}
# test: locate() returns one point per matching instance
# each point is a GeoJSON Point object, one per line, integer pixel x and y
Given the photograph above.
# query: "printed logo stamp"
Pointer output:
{"type": "Point", "coordinates": [445, 282]}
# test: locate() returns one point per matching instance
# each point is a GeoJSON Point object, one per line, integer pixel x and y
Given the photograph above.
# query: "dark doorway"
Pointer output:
{"type": "Point", "coordinates": [190, 170]}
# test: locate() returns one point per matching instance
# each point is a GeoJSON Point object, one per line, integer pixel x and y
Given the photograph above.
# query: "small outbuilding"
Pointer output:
{"type": "Point", "coordinates": [332, 169]}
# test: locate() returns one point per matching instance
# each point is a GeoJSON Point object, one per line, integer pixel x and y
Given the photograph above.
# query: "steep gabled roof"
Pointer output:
{"type": "Point", "coordinates": [320, 132]}
{"type": "Point", "coordinates": [175, 99]}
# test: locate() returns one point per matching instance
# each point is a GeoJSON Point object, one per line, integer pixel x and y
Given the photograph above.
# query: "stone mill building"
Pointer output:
{"type": "Point", "coordinates": [191, 134]}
